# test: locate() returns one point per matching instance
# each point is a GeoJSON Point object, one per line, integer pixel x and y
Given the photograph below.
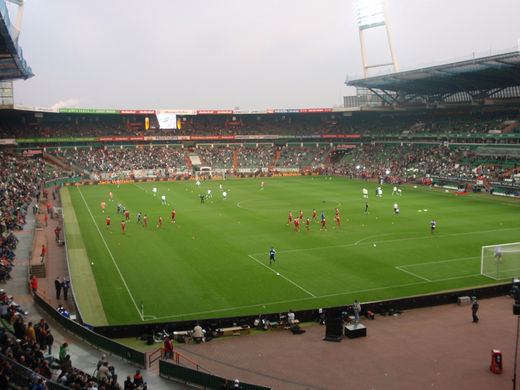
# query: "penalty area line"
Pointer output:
{"type": "Point", "coordinates": [359, 242]}
{"type": "Point", "coordinates": [282, 276]}
{"type": "Point", "coordinates": [351, 292]}
{"type": "Point", "coordinates": [411, 273]}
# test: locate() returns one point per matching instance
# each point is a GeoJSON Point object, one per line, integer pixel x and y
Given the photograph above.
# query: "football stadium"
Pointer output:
{"type": "Point", "coordinates": [385, 222]}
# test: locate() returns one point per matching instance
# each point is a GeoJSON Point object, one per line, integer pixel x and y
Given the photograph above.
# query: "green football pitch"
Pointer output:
{"type": "Point", "coordinates": [214, 262]}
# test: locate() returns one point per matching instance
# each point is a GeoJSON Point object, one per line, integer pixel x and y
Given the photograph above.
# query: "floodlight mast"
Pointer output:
{"type": "Point", "coordinates": [371, 14]}
{"type": "Point", "coordinates": [19, 16]}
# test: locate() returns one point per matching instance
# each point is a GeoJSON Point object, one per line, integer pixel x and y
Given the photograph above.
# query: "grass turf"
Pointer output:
{"type": "Point", "coordinates": [213, 262]}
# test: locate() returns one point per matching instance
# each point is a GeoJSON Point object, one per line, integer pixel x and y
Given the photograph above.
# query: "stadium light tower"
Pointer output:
{"type": "Point", "coordinates": [19, 15]}
{"type": "Point", "coordinates": [371, 14]}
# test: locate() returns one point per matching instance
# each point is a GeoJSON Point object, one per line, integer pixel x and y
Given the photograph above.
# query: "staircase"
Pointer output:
{"type": "Point", "coordinates": [61, 162]}
{"type": "Point", "coordinates": [511, 171]}
{"type": "Point", "coordinates": [510, 127]}
{"type": "Point", "coordinates": [38, 270]}
{"type": "Point", "coordinates": [275, 161]}
{"type": "Point", "coordinates": [235, 159]}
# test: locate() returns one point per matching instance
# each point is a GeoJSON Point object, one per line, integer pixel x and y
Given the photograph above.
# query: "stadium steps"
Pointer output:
{"type": "Point", "coordinates": [62, 163]}
{"type": "Point", "coordinates": [38, 270]}
{"type": "Point", "coordinates": [511, 171]}
{"type": "Point", "coordinates": [510, 127]}
{"type": "Point", "coordinates": [188, 162]}
{"type": "Point", "coordinates": [276, 158]}
{"type": "Point", "coordinates": [55, 160]}
{"type": "Point", "coordinates": [235, 159]}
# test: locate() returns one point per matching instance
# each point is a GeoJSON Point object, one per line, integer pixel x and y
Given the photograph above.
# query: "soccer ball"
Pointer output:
{"type": "Point", "coordinates": [277, 274]}
{"type": "Point", "coordinates": [375, 245]}
{"type": "Point", "coordinates": [92, 263]}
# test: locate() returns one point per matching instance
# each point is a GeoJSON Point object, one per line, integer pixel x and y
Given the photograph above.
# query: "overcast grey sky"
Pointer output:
{"type": "Point", "coordinates": [235, 53]}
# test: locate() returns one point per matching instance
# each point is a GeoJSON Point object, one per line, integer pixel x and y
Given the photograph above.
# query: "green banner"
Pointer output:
{"type": "Point", "coordinates": [86, 111]}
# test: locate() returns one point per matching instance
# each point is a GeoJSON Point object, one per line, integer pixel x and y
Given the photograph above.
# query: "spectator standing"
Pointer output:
{"type": "Point", "coordinates": [168, 348]}
{"type": "Point", "coordinates": [49, 340]}
{"type": "Point", "coordinates": [65, 284]}
{"type": "Point", "coordinates": [57, 286]}
{"type": "Point", "coordinates": [30, 334]}
{"type": "Point", "coordinates": [138, 378]}
{"type": "Point", "coordinates": [34, 284]}
{"type": "Point", "coordinates": [44, 252]}
{"type": "Point", "coordinates": [474, 309]}
{"type": "Point", "coordinates": [63, 351]}
{"type": "Point", "coordinates": [19, 328]}
{"type": "Point", "coordinates": [128, 384]}
{"type": "Point", "coordinates": [103, 372]}
{"type": "Point", "coordinates": [357, 310]}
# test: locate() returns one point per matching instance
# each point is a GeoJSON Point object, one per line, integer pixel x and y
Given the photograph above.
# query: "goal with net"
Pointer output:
{"type": "Point", "coordinates": [501, 261]}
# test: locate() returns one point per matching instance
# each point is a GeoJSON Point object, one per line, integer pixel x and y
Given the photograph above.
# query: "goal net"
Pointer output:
{"type": "Point", "coordinates": [500, 261]}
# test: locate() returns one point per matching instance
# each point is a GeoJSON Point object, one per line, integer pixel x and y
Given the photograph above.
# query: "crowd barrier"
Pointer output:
{"type": "Point", "coordinates": [24, 376]}
{"type": "Point", "coordinates": [197, 378]}
{"type": "Point", "coordinates": [133, 356]}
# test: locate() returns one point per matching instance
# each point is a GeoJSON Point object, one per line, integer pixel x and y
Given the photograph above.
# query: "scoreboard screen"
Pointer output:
{"type": "Point", "coordinates": [167, 121]}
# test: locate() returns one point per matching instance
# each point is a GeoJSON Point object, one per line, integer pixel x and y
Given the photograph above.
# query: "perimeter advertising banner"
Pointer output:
{"type": "Point", "coordinates": [217, 137]}
{"type": "Point", "coordinates": [108, 139]}
{"type": "Point", "coordinates": [34, 108]}
{"type": "Point", "coordinates": [137, 112]}
{"type": "Point", "coordinates": [86, 111]}
{"type": "Point", "coordinates": [350, 136]}
{"type": "Point", "coordinates": [215, 112]}
{"type": "Point", "coordinates": [53, 140]}
{"type": "Point", "coordinates": [314, 110]}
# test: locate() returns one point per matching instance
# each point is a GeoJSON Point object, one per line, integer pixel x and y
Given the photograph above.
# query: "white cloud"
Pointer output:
{"type": "Point", "coordinates": [69, 103]}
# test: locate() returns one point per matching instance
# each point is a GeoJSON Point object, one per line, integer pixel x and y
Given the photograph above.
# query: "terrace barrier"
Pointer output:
{"type": "Point", "coordinates": [24, 376]}
{"type": "Point", "coordinates": [192, 377]}
{"type": "Point", "coordinates": [133, 356]}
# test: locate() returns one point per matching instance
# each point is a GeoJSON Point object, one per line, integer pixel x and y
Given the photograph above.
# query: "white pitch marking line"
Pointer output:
{"type": "Point", "coordinates": [322, 296]}
{"type": "Point", "coordinates": [369, 237]}
{"type": "Point", "coordinates": [279, 274]}
{"type": "Point", "coordinates": [141, 188]}
{"type": "Point", "coordinates": [111, 256]}
{"type": "Point", "coordinates": [395, 240]}
{"type": "Point", "coordinates": [413, 274]}
{"type": "Point", "coordinates": [440, 261]}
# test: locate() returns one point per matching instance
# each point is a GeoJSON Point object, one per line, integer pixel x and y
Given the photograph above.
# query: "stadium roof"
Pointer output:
{"type": "Point", "coordinates": [12, 63]}
{"type": "Point", "coordinates": [480, 77]}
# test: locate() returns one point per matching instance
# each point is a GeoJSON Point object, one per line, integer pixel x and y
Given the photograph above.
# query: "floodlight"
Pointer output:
{"type": "Point", "coordinates": [369, 13]}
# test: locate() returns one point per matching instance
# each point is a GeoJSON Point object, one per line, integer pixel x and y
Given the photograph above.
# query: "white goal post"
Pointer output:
{"type": "Point", "coordinates": [501, 261]}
